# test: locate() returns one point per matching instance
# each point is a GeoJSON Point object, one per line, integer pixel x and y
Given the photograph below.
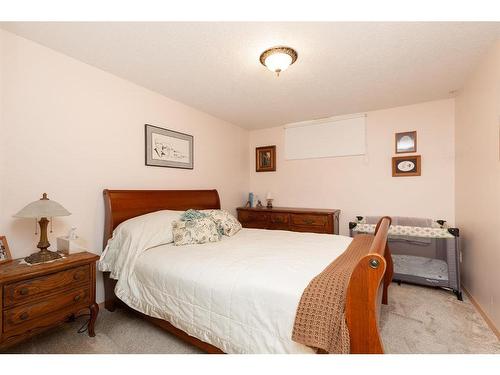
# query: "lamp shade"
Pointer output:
{"type": "Point", "coordinates": [43, 207]}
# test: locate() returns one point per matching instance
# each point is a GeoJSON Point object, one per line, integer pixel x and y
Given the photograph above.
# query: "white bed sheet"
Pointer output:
{"type": "Point", "coordinates": [240, 294]}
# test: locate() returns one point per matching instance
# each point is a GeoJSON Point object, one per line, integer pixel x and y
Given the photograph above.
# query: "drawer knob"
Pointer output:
{"type": "Point", "coordinates": [308, 221]}
{"type": "Point", "coordinates": [24, 291]}
{"type": "Point", "coordinates": [24, 316]}
{"type": "Point", "coordinates": [77, 298]}
{"type": "Point", "coordinates": [78, 276]}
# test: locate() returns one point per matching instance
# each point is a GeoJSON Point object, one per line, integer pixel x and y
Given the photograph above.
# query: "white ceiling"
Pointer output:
{"type": "Point", "coordinates": [342, 67]}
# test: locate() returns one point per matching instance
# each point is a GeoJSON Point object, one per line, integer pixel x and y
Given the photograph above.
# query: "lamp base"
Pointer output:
{"type": "Point", "coordinates": [42, 257]}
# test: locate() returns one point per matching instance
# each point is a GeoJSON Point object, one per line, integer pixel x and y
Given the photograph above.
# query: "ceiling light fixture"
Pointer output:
{"type": "Point", "coordinates": [278, 59]}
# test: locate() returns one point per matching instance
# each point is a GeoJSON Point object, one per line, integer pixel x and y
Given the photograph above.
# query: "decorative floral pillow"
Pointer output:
{"type": "Point", "coordinates": [196, 231]}
{"type": "Point", "coordinates": [228, 225]}
{"type": "Point", "coordinates": [192, 215]}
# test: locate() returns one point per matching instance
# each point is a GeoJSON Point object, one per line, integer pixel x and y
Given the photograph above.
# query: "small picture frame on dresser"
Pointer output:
{"type": "Point", "coordinates": [5, 255]}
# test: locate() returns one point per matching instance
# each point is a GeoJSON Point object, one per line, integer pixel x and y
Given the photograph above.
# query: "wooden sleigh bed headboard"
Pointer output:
{"type": "Point", "coordinates": [367, 287]}
{"type": "Point", "coordinates": [121, 205]}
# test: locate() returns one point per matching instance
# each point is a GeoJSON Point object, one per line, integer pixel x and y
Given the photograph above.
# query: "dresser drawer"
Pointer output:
{"type": "Point", "coordinates": [17, 316]}
{"type": "Point", "coordinates": [246, 216]}
{"type": "Point", "coordinates": [279, 221]}
{"type": "Point", "coordinates": [279, 218]}
{"type": "Point", "coordinates": [309, 220]}
{"type": "Point", "coordinates": [291, 219]}
{"type": "Point", "coordinates": [23, 290]}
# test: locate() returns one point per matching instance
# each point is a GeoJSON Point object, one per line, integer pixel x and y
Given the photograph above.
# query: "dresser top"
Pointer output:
{"type": "Point", "coordinates": [13, 270]}
{"type": "Point", "coordinates": [292, 210]}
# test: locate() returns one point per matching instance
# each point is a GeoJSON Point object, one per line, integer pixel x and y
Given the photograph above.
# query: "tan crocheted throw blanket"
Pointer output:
{"type": "Point", "coordinates": [320, 319]}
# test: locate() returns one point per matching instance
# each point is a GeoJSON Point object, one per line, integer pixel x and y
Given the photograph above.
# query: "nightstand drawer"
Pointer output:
{"type": "Point", "coordinates": [17, 316]}
{"type": "Point", "coordinates": [23, 290]}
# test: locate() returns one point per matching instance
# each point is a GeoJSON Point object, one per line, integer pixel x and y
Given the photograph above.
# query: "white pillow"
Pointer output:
{"type": "Point", "coordinates": [134, 236]}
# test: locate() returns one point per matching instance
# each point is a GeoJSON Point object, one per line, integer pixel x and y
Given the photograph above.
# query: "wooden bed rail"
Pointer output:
{"type": "Point", "coordinates": [363, 293]}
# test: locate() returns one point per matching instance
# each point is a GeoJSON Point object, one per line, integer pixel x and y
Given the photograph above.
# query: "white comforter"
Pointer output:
{"type": "Point", "coordinates": [240, 294]}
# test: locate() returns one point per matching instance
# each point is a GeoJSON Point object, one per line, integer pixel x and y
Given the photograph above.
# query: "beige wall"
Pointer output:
{"type": "Point", "coordinates": [72, 130]}
{"type": "Point", "coordinates": [364, 184]}
{"type": "Point", "coordinates": [478, 182]}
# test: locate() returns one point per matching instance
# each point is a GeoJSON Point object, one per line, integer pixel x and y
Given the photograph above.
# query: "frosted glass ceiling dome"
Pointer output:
{"type": "Point", "coordinates": [278, 59]}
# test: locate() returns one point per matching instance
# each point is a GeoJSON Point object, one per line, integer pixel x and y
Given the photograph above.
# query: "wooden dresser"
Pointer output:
{"type": "Point", "coordinates": [292, 219]}
{"type": "Point", "coordinates": [35, 298]}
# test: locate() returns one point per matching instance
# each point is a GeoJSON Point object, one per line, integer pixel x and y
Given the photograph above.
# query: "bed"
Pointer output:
{"type": "Point", "coordinates": [240, 295]}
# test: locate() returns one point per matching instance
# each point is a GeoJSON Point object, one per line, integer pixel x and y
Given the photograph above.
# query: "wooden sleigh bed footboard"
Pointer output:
{"type": "Point", "coordinates": [367, 288]}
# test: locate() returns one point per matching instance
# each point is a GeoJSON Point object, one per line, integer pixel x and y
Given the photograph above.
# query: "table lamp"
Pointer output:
{"type": "Point", "coordinates": [269, 199]}
{"type": "Point", "coordinates": [42, 208]}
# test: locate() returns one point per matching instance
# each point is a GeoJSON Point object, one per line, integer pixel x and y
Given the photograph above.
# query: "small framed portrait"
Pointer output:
{"type": "Point", "coordinates": [406, 142]}
{"type": "Point", "coordinates": [168, 148]}
{"type": "Point", "coordinates": [265, 159]}
{"type": "Point", "coordinates": [4, 250]}
{"type": "Point", "coordinates": [403, 166]}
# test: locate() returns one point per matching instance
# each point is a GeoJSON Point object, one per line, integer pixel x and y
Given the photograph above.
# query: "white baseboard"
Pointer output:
{"type": "Point", "coordinates": [483, 314]}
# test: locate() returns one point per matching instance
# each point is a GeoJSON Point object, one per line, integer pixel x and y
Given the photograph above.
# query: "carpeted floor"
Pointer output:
{"type": "Point", "coordinates": [417, 320]}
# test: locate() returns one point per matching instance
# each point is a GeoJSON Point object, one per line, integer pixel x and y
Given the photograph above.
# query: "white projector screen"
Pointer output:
{"type": "Point", "coordinates": [325, 138]}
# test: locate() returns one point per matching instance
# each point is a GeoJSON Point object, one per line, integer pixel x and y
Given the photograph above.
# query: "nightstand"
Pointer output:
{"type": "Point", "coordinates": [36, 298]}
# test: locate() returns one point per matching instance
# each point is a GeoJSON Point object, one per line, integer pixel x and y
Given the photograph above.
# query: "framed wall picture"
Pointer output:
{"type": "Point", "coordinates": [265, 159]}
{"type": "Point", "coordinates": [4, 250]}
{"type": "Point", "coordinates": [406, 142]}
{"type": "Point", "coordinates": [168, 148]}
{"type": "Point", "coordinates": [403, 166]}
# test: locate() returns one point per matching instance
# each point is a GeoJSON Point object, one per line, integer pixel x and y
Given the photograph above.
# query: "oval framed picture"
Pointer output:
{"type": "Point", "coordinates": [406, 165]}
